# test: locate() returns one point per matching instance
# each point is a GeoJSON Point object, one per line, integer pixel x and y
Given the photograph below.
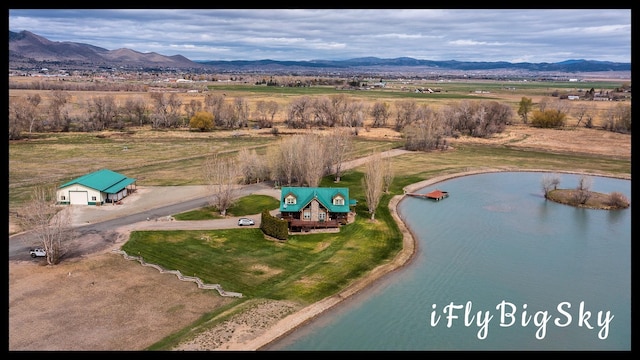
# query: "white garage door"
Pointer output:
{"type": "Point", "coordinates": [78, 197]}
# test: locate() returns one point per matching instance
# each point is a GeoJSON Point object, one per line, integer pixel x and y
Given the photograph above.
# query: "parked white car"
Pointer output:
{"type": "Point", "coordinates": [37, 252]}
{"type": "Point", "coordinates": [245, 221]}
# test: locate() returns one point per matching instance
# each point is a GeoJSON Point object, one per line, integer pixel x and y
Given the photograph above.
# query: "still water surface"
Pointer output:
{"type": "Point", "coordinates": [522, 273]}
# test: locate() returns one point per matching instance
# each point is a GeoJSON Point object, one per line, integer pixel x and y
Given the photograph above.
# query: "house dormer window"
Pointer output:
{"type": "Point", "coordinates": [338, 200]}
{"type": "Point", "coordinates": [290, 200]}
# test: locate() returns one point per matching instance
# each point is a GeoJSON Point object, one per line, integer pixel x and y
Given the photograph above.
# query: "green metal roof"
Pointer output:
{"type": "Point", "coordinates": [104, 180]}
{"type": "Point", "coordinates": [325, 196]}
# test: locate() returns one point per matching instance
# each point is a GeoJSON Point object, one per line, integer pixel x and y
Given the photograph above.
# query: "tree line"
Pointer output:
{"type": "Point", "coordinates": [424, 127]}
{"type": "Point", "coordinates": [553, 114]}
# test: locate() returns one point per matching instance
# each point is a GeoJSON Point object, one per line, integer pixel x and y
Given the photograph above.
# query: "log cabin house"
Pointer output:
{"type": "Point", "coordinates": [307, 208]}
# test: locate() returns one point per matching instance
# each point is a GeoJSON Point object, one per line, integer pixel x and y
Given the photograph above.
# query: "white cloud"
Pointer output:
{"type": "Point", "coordinates": [303, 34]}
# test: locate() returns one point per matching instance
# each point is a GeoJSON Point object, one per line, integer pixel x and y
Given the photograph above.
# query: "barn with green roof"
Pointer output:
{"type": "Point", "coordinates": [314, 207]}
{"type": "Point", "coordinates": [96, 188]}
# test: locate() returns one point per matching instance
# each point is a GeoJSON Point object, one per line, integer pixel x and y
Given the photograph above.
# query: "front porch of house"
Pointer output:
{"type": "Point", "coordinates": [297, 225]}
{"type": "Point", "coordinates": [302, 225]}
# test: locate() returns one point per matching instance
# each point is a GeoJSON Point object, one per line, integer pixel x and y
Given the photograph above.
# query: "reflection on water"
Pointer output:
{"type": "Point", "coordinates": [518, 272]}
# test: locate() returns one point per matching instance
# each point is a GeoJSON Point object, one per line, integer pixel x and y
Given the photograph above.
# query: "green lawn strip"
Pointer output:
{"type": "Point", "coordinates": [253, 204]}
{"type": "Point", "coordinates": [246, 205]}
{"type": "Point", "coordinates": [205, 213]}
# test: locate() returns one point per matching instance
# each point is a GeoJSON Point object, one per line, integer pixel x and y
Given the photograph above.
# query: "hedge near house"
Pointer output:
{"type": "Point", "coordinates": [273, 226]}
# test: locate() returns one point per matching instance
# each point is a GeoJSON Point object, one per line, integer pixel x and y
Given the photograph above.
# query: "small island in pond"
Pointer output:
{"type": "Point", "coordinates": [589, 199]}
{"type": "Point", "coordinates": [581, 195]}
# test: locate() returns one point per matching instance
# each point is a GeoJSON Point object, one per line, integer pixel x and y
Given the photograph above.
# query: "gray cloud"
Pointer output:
{"type": "Point", "coordinates": [287, 34]}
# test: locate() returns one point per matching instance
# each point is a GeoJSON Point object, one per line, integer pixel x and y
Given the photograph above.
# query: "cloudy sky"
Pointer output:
{"type": "Point", "coordinates": [286, 34]}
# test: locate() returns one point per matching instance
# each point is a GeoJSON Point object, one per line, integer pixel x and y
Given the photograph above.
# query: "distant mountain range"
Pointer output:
{"type": "Point", "coordinates": [30, 51]}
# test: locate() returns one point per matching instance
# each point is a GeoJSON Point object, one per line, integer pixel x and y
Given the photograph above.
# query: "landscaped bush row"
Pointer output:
{"type": "Point", "coordinates": [273, 226]}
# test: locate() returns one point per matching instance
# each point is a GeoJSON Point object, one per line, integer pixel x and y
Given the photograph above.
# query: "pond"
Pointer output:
{"type": "Point", "coordinates": [498, 267]}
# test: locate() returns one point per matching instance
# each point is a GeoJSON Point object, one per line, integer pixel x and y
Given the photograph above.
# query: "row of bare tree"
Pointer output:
{"type": "Point", "coordinates": [424, 126]}
{"type": "Point", "coordinates": [167, 110]}
{"type": "Point", "coordinates": [27, 114]}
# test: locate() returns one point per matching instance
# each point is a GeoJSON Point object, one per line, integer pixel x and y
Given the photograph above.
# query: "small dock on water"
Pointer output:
{"type": "Point", "coordinates": [434, 195]}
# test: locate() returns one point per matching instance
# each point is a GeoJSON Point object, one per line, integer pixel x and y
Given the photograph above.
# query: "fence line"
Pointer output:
{"type": "Point", "coordinates": [194, 279]}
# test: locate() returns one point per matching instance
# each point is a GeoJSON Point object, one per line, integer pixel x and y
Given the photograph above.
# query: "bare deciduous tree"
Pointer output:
{"type": "Point", "coordinates": [425, 135]}
{"type": "Point", "coordinates": [136, 108]}
{"type": "Point", "coordinates": [583, 190]}
{"type": "Point", "coordinates": [405, 113]}
{"type": "Point", "coordinates": [300, 158]}
{"type": "Point", "coordinates": [354, 115]}
{"type": "Point", "coordinates": [282, 160]}
{"type": "Point", "coordinates": [618, 118]}
{"type": "Point", "coordinates": [339, 104]}
{"type": "Point", "coordinates": [583, 110]}
{"type": "Point", "coordinates": [23, 115]}
{"type": "Point", "coordinates": [48, 223]}
{"type": "Point", "coordinates": [174, 106]}
{"type": "Point", "coordinates": [265, 112]}
{"type": "Point", "coordinates": [380, 113]}
{"type": "Point", "coordinates": [221, 174]}
{"type": "Point", "coordinates": [388, 174]}
{"type": "Point", "coordinates": [312, 158]}
{"type": "Point", "coordinates": [549, 182]}
{"type": "Point", "coordinates": [618, 200]}
{"type": "Point", "coordinates": [321, 112]}
{"type": "Point", "coordinates": [160, 110]}
{"type": "Point", "coordinates": [58, 113]}
{"type": "Point", "coordinates": [560, 106]}
{"type": "Point", "coordinates": [299, 113]}
{"type": "Point", "coordinates": [373, 183]}
{"type": "Point", "coordinates": [214, 103]}
{"type": "Point", "coordinates": [103, 111]}
{"type": "Point", "coordinates": [192, 107]}
{"type": "Point", "coordinates": [241, 111]}
{"type": "Point", "coordinates": [272, 110]}
{"type": "Point", "coordinates": [338, 143]}
{"type": "Point", "coordinates": [252, 166]}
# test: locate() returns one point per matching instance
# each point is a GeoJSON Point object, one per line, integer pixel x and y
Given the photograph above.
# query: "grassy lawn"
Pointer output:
{"type": "Point", "coordinates": [248, 205]}
{"type": "Point", "coordinates": [310, 267]}
{"type": "Point", "coordinates": [305, 268]}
